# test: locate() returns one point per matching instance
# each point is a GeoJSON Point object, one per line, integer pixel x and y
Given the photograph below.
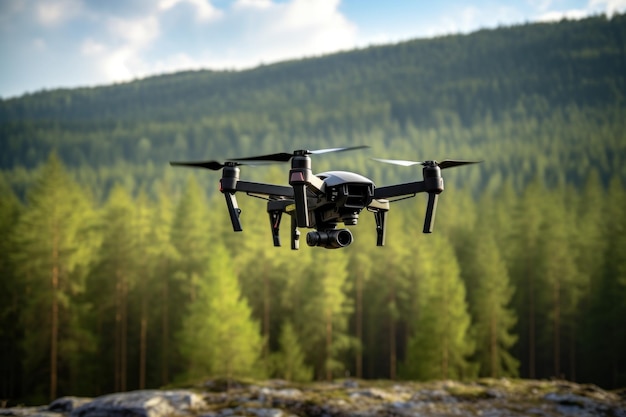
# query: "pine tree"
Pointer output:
{"type": "Point", "coordinates": [590, 250]}
{"type": "Point", "coordinates": [51, 260]}
{"type": "Point", "coordinates": [289, 361]}
{"type": "Point", "coordinates": [147, 252]}
{"type": "Point", "coordinates": [11, 294]}
{"type": "Point", "coordinates": [526, 274]}
{"type": "Point", "coordinates": [164, 254]}
{"type": "Point", "coordinates": [490, 294]}
{"type": "Point", "coordinates": [440, 345]}
{"type": "Point", "coordinates": [324, 313]}
{"type": "Point", "coordinates": [605, 321]}
{"type": "Point", "coordinates": [361, 265]}
{"type": "Point", "coordinates": [261, 273]}
{"type": "Point", "coordinates": [218, 337]}
{"type": "Point", "coordinates": [191, 235]}
{"type": "Point", "coordinates": [559, 277]}
{"type": "Point", "coordinates": [114, 276]}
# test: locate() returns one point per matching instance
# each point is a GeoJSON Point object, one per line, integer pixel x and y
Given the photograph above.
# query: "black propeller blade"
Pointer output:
{"type": "Point", "coordinates": [285, 157]}
{"type": "Point", "coordinates": [212, 165]}
{"type": "Point", "coordinates": [448, 163]}
{"type": "Point", "coordinates": [274, 157]}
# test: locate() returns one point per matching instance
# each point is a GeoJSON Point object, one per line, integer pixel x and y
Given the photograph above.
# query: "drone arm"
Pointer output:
{"type": "Point", "coordinates": [265, 189]}
{"type": "Point", "coordinates": [398, 190]}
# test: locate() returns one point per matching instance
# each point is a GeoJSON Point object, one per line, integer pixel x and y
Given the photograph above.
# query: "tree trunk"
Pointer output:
{"type": "Point", "coordinates": [572, 353]}
{"type": "Point", "coordinates": [494, 346]}
{"type": "Point", "coordinates": [266, 318]}
{"type": "Point", "coordinates": [54, 327]}
{"type": "Point", "coordinates": [531, 328]}
{"type": "Point", "coordinates": [143, 344]}
{"type": "Point", "coordinates": [124, 338]}
{"type": "Point", "coordinates": [329, 344]}
{"type": "Point", "coordinates": [359, 325]}
{"type": "Point", "coordinates": [392, 334]}
{"type": "Point", "coordinates": [165, 336]}
{"type": "Point", "coordinates": [557, 328]}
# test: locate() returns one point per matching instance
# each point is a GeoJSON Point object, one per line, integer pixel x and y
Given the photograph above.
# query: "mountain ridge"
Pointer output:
{"type": "Point", "coordinates": [468, 93]}
{"type": "Point", "coordinates": [514, 47]}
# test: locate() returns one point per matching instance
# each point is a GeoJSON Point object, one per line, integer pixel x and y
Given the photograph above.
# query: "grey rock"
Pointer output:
{"type": "Point", "coordinates": [67, 404]}
{"type": "Point", "coordinates": [145, 403]}
{"type": "Point", "coordinates": [28, 412]}
{"type": "Point", "coordinates": [485, 398]}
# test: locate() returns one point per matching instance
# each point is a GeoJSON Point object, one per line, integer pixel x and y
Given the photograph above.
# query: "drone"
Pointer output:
{"type": "Point", "coordinates": [323, 201]}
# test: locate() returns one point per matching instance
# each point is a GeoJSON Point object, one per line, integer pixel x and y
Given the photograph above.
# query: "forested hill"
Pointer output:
{"type": "Point", "coordinates": [453, 90]}
{"type": "Point", "coordinates": [571, 62]}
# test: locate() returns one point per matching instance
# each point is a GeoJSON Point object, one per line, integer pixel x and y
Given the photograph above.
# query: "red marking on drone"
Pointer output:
{"type": "Point", "coordinates": [296, 176]}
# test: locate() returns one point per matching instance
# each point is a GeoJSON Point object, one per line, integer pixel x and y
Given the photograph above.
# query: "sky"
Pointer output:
{"type": "Point", "coordinates": [48, 44]}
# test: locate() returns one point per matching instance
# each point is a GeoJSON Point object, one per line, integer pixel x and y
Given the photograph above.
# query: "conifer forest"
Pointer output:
{"type": "Point", "coordinates": [120, 272]}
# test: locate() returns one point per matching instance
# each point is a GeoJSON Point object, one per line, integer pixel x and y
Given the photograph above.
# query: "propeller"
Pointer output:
{"type": "Point", "coordinates": [285, 156]}
{"type": "Point", "coordinates": [212, 165]}
{"type": "Point", "coordinates": [448, 163]}
{"type": "Point", "coordinates": [274, 157]}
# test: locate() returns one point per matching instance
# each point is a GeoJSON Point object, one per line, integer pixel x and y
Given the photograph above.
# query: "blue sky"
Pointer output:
{"type": "Point", "coordinates": [46, 44]}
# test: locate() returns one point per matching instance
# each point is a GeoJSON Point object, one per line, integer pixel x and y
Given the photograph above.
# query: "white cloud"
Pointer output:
{"type": "Point", "coordinates": [135, 32]}
{"type": "Point", "coordinates": [610, 7]}
{"type": "Point", "coordinates": [126, 43]}
{"type": "Point", "coordinates": [40, 44]}
{"type": "Point", "coordinates": [176, 62]}
{"type": "Point", "coordinates": [471, 18]}
{"type": "Point", "coordinates": [204, 9]}
{"type": "Point", "coordinates": [555, 16]}
{"type": "Point", "coordinates": [540, 5]}
{"type": "Point", "coordinates": [55, 12]}
{"type": "Point", "coordinates": [251, 4]}
{"type": "Point", "coordinates": [268, 32]}
{"type": "Point", "coordinates": [122, 64]}
{"type": "Point", "coordinates": [90, 47]}
{"type": "Point", "coordinates": [118, 57]}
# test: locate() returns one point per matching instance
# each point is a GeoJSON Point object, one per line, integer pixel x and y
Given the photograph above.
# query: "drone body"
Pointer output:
{"type": "Point", "coordinates": [324, 201]}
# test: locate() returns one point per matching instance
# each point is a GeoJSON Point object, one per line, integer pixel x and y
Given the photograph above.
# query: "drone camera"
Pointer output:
{"type": "Point", "coordinates": [329, 239]}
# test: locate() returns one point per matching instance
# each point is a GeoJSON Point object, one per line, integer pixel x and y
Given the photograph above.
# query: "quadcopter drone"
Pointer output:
{"type": "Point", "coordinates": [322, 201]}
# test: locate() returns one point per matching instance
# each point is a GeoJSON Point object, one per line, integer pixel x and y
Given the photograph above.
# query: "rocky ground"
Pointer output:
{"type": "Point", "coordinates": [487, 398]}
